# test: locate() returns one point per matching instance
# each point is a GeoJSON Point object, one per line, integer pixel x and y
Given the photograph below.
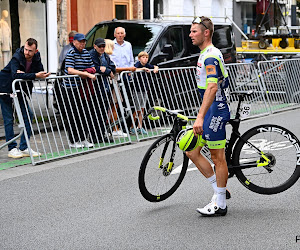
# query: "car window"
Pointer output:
{"type": "Point", "coordinates": [222, 37]}
{"type": "Point", "coordinates": [174, 37]}
{"type": "Point", "coordinates": [141, 36]}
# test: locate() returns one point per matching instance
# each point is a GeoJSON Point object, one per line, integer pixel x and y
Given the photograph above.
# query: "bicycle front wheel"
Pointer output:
{"type": "Point", "coordinates": [280, 146]}
{"type": "Point", "coordinates": [162, 169]}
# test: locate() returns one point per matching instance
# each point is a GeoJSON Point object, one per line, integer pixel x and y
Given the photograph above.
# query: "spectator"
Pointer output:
{"type": "Point", "coordinates": [75, 111]}
{"type": "Point", "coordinates": [122, 56]}
{"type": "Point", "coordinates": [105, 66]}
{"type": "Point", "coordinates": [25, 64]}
{"type": "Point", "coordinates": [141, 87]}
{"type": "Point", "coordinates": [66, 48]}
{"type": "Point", "coordinates": [109, 47]}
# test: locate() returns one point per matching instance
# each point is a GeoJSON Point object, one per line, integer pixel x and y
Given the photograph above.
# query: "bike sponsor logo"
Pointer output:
{"type": "Point", "coordinates": [221, 106]}
{"type": "Point", "coordinates": [265, 145]}
{"type": "Point", "coordinates": [215, 123]}
{"type": "Point", "coordinates": [280, 131]}
{"type": "Point", "coordinates": [159, 143]}
{"type": "Point", "coordinates": [269, 145]}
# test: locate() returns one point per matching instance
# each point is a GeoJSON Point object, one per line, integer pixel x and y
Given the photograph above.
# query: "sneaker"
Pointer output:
{"type": "Point", "coordinates": [33, 153]}
{"type": "Point", "coordinates": [108, 139]}
{"type": "Point", "coordinates": [119, 133]}
{"type": "Point", "coordinates": [76, 145]}
{"type": "Point", "coordinates": [87, 144]}
{"type": "Point", "coordinates": [212, 209]}
{"type": "Point", "coordinates": [132, 131]}
{"type": "Point", "coordinates": [15, 153]}
{"type": "Point", "coordinates": [142, 131]}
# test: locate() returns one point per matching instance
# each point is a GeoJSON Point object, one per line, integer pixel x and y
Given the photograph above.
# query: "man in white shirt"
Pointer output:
{"type": "Point", "coordinates": [123, 58]}
{"type": "Point", "coordinates": [122, 54]}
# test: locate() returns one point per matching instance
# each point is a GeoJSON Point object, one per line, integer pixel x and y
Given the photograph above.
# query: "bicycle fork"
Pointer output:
{"type": "Point", "coordinates": [167, 168]}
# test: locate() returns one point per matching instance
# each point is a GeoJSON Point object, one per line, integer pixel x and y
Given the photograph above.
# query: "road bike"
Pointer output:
{"type": "Point", "coordinates": [265, 159]}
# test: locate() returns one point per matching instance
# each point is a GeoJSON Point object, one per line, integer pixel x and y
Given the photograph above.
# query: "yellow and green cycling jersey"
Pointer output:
{"type": "Point", "coordinates": [211, 69]}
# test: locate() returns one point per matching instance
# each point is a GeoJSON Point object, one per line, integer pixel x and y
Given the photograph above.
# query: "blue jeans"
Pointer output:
{"type": "Point", "coordinates": [7, 113]}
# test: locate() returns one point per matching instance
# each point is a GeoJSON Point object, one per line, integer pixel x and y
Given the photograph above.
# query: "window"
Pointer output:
{"type": "Point", "coordinates": [222, 37]}
{"type": "Point", "coordinates": [121, 11]}
{"type": "Point", "coordinates": [174, 37]}
{"type": "Point", "coordinates": [133, 34]}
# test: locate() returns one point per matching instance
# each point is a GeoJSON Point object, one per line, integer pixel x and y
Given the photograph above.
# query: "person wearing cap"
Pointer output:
{"type": "Point", "coordinates": [73, 107]}
{"type": "Point", "coordinates": [66, 48]}
{"type": "Point", "coordinates": [106, 67]}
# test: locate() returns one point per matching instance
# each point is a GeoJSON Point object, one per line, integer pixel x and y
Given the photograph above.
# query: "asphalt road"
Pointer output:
{"type": "Point", "coordinates": [93, 202]}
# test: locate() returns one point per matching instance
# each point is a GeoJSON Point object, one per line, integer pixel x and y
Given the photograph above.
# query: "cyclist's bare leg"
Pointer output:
{"type": "Point", "coordinates": [201, 162]}
{"type": "Point", "coordinates": [218, 158]}
{"type": "Point", "coordinates": [204, 166]}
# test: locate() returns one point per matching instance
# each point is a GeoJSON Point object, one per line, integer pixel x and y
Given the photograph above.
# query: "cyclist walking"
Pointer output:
{"type": "Point", "coordinates": [214, 112]}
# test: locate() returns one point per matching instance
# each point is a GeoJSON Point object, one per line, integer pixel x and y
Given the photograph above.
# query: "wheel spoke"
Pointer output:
{"type": "Point", "coordinates": [280, 147]}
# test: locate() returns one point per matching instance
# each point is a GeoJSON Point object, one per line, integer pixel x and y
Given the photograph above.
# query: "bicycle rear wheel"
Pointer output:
{"type": "Point", "coordinates": [157, 181]}
{"type": "Point", "coordinates": [280, 146]}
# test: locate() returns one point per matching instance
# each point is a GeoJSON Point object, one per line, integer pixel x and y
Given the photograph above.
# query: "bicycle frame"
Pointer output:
{"type": "Point", "coordinates": [180, 121]}
{"type": "Point", "coordinates": [235, 136]}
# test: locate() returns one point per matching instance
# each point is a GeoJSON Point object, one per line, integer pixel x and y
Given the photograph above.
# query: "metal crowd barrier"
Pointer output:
{"type": "Point", "coordinates": [171, 88]}
{"type": "Point", "coordinates": [281, 83]}
{"type": "Point", "coordinates": [75, 120]}
{"type": "Point", "coordinates": [244, 77]}
{"type": "Point", "coordinates": [92, 112]}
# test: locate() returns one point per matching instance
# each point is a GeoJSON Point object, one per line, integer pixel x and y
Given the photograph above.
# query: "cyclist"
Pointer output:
{"type": "Point", "coordinates": [214, 112]}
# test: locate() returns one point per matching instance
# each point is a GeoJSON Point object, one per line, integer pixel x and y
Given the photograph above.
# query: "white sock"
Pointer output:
{"type": "Point", "coordinates": [221, 197]}
{"type": "Point", "coordinates": [213, 182]}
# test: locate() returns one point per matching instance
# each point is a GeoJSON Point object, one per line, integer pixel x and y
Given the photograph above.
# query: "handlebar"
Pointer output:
{"type": "Point", "coordinates": [169, 112]}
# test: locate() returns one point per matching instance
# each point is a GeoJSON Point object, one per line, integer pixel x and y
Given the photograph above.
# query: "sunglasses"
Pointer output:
{"type": "Point", "coordinates": [199, 21]}
{"type": "Point", "coordinates": [101, 46]}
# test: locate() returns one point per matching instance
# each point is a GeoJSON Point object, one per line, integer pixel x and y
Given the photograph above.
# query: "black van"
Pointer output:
{"type": "Point", "coordinates": [167, 42]}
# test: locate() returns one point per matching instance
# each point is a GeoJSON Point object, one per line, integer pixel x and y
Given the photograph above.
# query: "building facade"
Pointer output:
{"type": "Point", "coordinates": [51, 22]}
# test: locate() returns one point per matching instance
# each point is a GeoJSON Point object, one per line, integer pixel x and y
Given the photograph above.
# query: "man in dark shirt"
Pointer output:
{"type": "Point", "coordinates": [25, 64]}
{"type": "Point", "coordinates": [74, 108]}
{"type": "Point", "coordinates": [106, 68]}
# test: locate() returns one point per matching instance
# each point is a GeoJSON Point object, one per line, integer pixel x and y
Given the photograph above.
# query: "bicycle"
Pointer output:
{"type": "Point", "coordinates": [265, 159]}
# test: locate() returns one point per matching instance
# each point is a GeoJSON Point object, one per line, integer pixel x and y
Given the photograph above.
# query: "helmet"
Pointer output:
{"type": "Point", "coordinates": [186, 140]}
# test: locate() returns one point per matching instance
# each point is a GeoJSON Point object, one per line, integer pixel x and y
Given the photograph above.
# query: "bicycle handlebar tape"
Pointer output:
{"type": "Point", "coordinates": [186, 140]}
{"type": "Point", "coordinates": [153, 118]}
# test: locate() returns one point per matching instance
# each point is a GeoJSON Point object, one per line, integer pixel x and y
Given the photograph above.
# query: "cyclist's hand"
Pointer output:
{"type": "Point", "coordinates": [198, 126]}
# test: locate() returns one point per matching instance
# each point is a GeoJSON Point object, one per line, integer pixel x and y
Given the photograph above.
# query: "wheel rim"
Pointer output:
{"type": "Point", "coordinates": [280, 146]}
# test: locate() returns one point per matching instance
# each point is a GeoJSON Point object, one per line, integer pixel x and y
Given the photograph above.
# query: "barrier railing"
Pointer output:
{"type": "Point", "coordinates": [86, 117]}
{"type": "Point", "coordinates": [281, 83]}
{"type": "Point", "coordinates": [244, 77]}
{"type": "Point", "coordinates": [172, 88]}
{"type": "Point", "coordinates": [79, 119]}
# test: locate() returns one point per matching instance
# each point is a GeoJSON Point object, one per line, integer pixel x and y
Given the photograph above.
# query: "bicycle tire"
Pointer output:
{"type": "Point", "coordinates": [281, 146]}
{"type": "Point", "coordinates": [155, 183]}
